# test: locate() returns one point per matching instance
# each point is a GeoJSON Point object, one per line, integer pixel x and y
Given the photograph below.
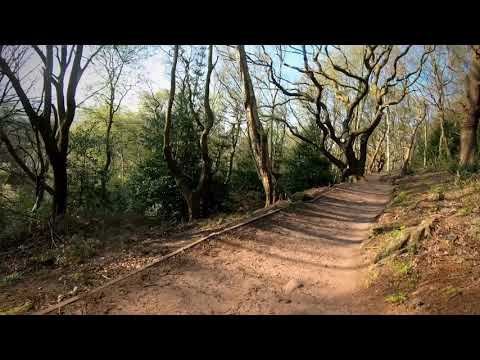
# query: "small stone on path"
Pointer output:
{"type": "Point", "coordinates": [292, 285]}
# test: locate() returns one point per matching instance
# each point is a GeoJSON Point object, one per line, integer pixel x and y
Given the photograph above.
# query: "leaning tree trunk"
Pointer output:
{"type": "Point", "coordinates": [468, 129]}
{"type": "Point", "coordinates": [258, 138]}
{"type": "Point", "coordinates": [408, 155]}
{"type": "Point", "coordinates": [425, 146]}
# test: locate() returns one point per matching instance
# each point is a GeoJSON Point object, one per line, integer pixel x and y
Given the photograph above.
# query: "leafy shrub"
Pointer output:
{"type": "Point", "coordinates": [402, 268]}
{"type": "Point", "coordinates": [16, 218]}
{"type": "Point", "coordinates": [305, 168]}
{"type": "Point", "coordinates": [75, 252]}
{"type": "Point", "coordinates": [244, 176]}
{"type": "Point", "coordinates": [153, 190]}
{"type": "Point", "coordinates": [464, 172]}
{"type": "Point", "coordinates": [396, 298]}
{"type": "Point", "coordinates": [433, 142]}
{"type": "Point", "coordinates": [81, 250]}
{"type": "Point", "coordinates": [400, 198]}
{"type": "Point", "coordinates": [11, 278]}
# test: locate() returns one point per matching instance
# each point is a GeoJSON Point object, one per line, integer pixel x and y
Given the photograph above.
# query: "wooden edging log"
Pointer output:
{"type": "Point", "coordinates": [173, 253]}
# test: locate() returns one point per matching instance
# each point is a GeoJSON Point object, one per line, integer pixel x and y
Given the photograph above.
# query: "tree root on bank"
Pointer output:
{"type": "Point", "coordinates": [409, 241]}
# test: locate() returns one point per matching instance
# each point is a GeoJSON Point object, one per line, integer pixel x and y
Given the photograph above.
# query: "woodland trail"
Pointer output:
{"type": "Point", "coordinates": [246, 271]}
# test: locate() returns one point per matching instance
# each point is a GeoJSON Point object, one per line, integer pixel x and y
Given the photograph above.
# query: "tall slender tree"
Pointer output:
{"type": "Point", "coordinates": [193, 194]}
{"type": "Point", "coordinates": [468, 129]}
{"type": "Point", "coordinates": [257, 136]}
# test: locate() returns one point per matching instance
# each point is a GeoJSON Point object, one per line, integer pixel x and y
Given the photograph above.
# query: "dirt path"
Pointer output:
{"type": "Point", "coordinates": [246, 270]}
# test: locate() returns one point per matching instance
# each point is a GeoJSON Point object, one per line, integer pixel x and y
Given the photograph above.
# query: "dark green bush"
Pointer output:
{"type": "Point", "coordinates": [153, 190]}
{"type": "Point", "coordinates": [305, 168]}
{"type": "Point", "coordinates": [464, 171]}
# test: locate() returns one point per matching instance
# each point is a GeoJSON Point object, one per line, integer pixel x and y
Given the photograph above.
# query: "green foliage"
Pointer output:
{"type": "Point", "coordinates": [244, 176]}
{"type": "Point", "coordinates": [465, 211]}
{"type": "Point", "coordinates": [17, 310]}
{"type": "Point", "coordinates": [16, 218]}
{"type": "Point", "coordinates": [81, 250]}
{"type": "Point", "coordinates": [410, 171]}
{"type": "Point", "coordinates": [305, 168]}
{"type": "Point", "coordinates": [402, 268]}
{"type": "Point", "coordinates": [464, 172]}
{"type": "Point", "coordinates": [433, 140]}
{"type": "Point", "coordinates": [451, 291]}
{"type": "Point", "coordinates": [396, 298]}
{"type": "Point", "coordinates": [401, 198]}
{"type": "Point", "coordinates": [219, 196]}
{"type": "Point", "coordinates": [46, 258]}
{"type": "Point", "coordinates": [398, 232]}
{"type": "Point", "coordinates": [153, 190]}
{"type": "Point", "coordinates": [76, 252]}
{"type": "Point", "coordinates": [11, 278]}
{"type": "Point", "coordinates": [388, 228]}
{"type": "Point", "coordinates": [87, 159]}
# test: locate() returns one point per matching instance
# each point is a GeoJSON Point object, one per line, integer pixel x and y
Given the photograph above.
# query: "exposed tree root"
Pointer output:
{"type": "Point", "coordinates": [409, 241]}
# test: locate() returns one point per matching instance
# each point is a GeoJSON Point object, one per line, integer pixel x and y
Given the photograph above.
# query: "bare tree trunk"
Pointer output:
{"type": "Point", "coordinates": [468, 140]}
{"type": "Point", "coordinates": [440, 85]}
{"type": "Point", "coordinates": [468, 129]}
{"type": "Point", "coordinates": [425, 147]}
{"type": "Point", "coordinates": [443, 142]}
{"type": "Point", "coordinates": [408, 155]}
{"type": "Point", "coordinates": [360, 106]}
{"type": "Point", "coordinates": [235, 136]}
{"type": "Point", "coordinates": [377, 149]}
{"type": "Point", "coordinates": [108, 154]}
{"type": "Point", "coordinates": [388, 141]}
{"type": "Point", "coordinates": [381, 163]}
{"type": "Point", "coordinates": [193, 202]}
{"type": "Point", "coordinates": [61, 186]}
{"type": "Point", "coordinates": [203, 187]}
{"type": "Point", "coordinates": [258, 138]}
{"type": "Point", "coordinates": [440, 140]}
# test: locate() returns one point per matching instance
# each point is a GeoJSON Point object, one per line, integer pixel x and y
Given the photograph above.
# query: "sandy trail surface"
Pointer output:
{"type": "Point", "coordinates": [305, 259]}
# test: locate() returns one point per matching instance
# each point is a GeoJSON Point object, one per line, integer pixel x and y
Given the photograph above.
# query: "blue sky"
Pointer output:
{"type": "Point", "coordinates": [156, 69]}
